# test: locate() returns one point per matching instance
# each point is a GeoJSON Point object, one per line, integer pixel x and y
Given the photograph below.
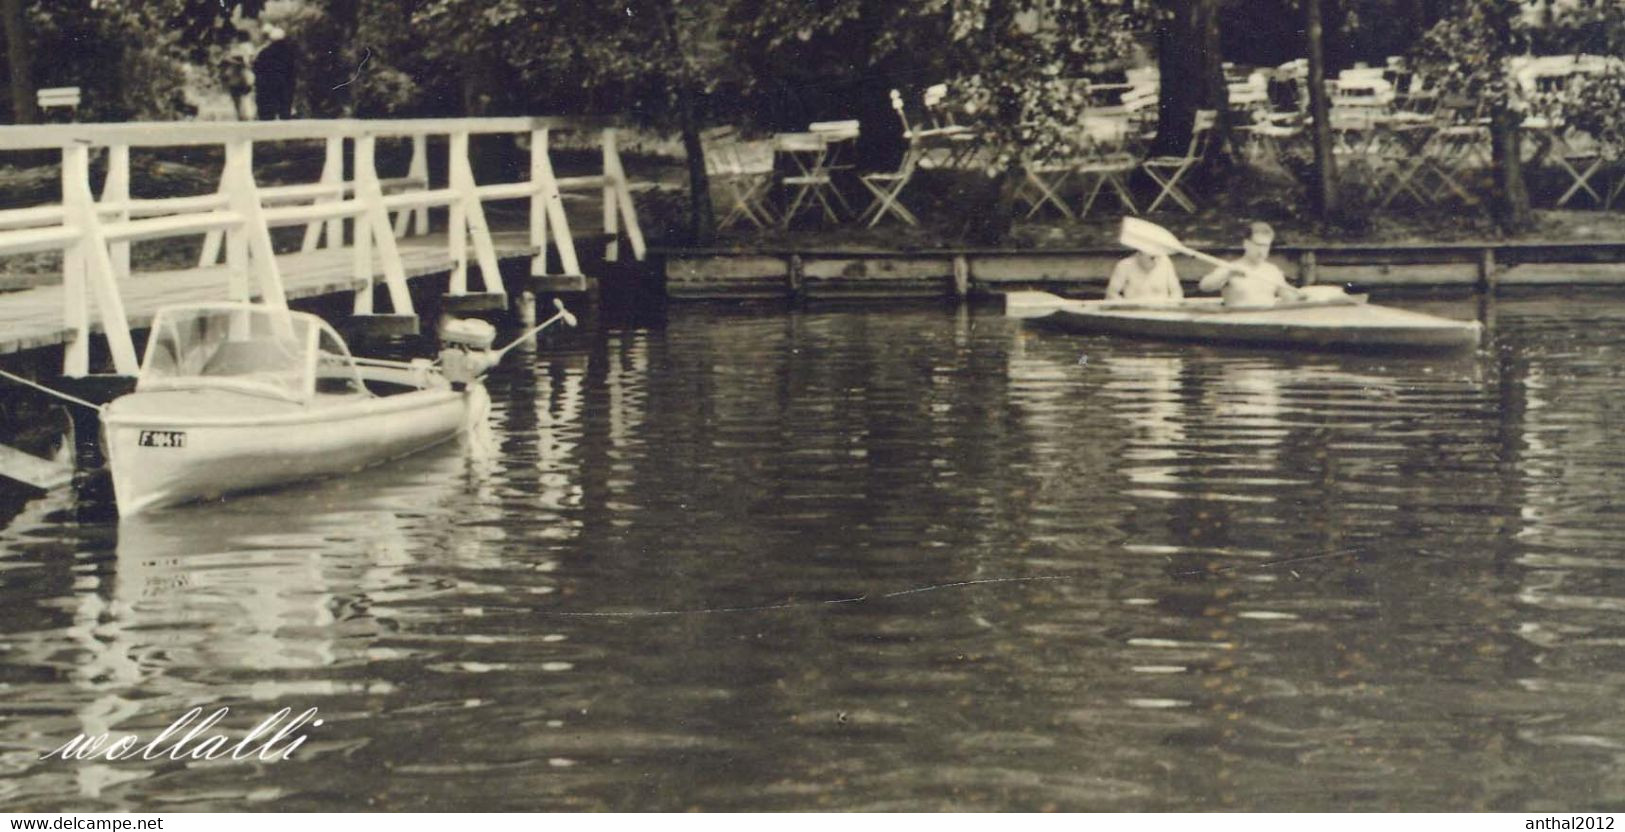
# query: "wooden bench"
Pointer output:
{"type": "Point", "coordinates": [59, 98]}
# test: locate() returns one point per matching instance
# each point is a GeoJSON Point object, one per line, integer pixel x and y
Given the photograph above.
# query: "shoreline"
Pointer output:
{"type": "Point", "coordinates": [863, 272]}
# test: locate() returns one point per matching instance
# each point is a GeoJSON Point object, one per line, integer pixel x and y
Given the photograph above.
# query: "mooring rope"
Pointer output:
{"type": "Point", "coordinates": [57, 393]}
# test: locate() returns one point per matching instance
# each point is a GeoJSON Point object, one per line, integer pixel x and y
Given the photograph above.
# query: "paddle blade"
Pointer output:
{"type": "Point", "coordinates": [1027, 304]}
{"type": "Point", "coordinates": [569, 319]}
{"type": "Point", "coordinates": [1148, 237]}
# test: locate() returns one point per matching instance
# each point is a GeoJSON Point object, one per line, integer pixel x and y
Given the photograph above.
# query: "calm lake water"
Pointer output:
{"type": "Point", "coordinates": [883, 558]}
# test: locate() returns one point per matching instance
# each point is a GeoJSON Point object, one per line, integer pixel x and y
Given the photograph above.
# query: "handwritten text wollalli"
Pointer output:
{"type": "Point", "coordinates": [200, 741]}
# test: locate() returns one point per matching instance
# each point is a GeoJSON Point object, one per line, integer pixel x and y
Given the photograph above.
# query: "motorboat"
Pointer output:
{"type": "Point", "coordinates": [236, 397]}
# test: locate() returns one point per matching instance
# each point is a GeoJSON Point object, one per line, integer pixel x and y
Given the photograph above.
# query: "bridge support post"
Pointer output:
{"type": "Point", "coordinates": [547, 209]}
{"type": "Point", "coordinates": [373, 223]}
{"type": "Point", "coordinates": [242, 194]}
{"type": "Point", "coordinates": [418, 172]}
{"type": "Point", "coordinates": [361, 258]}
{"type": "Point", "coordinates": [468, 223]}
{"type": "Point", "coordinates": [612, 230]}
{"type": "Point", "coordinates": [117, 190]}
{"type": "Point", "coordinates": [75, 301]}
{"type": "Point", "coordinates": [213, 239]}
{"type": "Point", "coordinates": [332, 177]}
{"type": "Point", "coordinates": [618, 204]}
{"type": "Point", "coordinates": [94, 267]}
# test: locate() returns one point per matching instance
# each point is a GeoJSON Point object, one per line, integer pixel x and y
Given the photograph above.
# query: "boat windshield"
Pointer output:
{"type": "Point", "coordinates": [254, 349]}
{"type": "Point", "coordinates": [336, 372]}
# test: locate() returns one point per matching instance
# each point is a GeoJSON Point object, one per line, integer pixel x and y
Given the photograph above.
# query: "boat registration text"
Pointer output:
{"type": "Point", "coordinates": [163, 439]}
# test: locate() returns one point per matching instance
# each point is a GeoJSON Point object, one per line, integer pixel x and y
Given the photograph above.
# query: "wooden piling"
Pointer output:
{"type": "Point", "coordinates": [1308, 269]}
{"type": "Point", "coordinates": [796, 279]}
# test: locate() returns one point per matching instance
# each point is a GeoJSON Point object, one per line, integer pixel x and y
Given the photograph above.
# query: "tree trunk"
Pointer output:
{"type": "Point", "coordinates": [337, 53]}
{"type": "Point", "coordinates": [1510, 202]}
{"type": "Point", "coordinates": [1323, 187]}
{"type": "Point", "coordinates": [702, 219]}
{"type": "Point", "coordinates": [1192, 72]}
{"type": "Point", "coordinates": [992, 226]}
{"type": "Point", "coordinates": [20, 62]}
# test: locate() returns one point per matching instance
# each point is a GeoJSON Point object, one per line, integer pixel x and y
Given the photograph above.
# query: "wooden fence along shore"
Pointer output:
{"type": "Point", "coordinates": [99, 292]}
{"type": "Point", "coordinates": [696, 274]}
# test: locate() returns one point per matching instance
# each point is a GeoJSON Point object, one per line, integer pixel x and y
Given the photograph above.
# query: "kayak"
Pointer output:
{"type": "Point", "coordinates": [1339, 322]}
{"type": "Point", "coordinates": [237, 397]}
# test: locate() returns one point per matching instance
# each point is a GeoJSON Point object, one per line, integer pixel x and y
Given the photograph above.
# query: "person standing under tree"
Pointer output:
{"type": "Point", "coordinates": [274, 71]}
{"type": "Point", "coordinates": [237, 78]}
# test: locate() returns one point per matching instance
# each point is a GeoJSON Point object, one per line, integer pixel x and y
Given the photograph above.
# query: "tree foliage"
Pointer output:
{"type": "Point", "coordinates": [666, 63]}
{"type": "Point", "coordinates": [1594, 102]}
{"type": "Point", "coordinates": [128, 57]}
{"type": "Point", "coordinates": [1017, 68]}
{"type": "Point", "coordinates": [1016, 71]}
{"type": "Point", "coordinates": [1473, 54]}
{"type": "Point", "coordinates": [1468, 54]}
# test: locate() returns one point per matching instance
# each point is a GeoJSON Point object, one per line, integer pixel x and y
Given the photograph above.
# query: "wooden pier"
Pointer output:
{"type": "Point", "coordinates": [33, 317]}
{"type": "Point", "coordinates": [361, 229]}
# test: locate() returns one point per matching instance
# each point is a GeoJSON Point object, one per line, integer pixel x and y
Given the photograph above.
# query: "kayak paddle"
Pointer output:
{"type": "Point", "coordinates": [1154, 239]}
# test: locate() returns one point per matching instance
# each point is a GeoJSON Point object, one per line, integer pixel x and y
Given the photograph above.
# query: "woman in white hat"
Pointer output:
{"type": "Point", "coordinates": [1144, 276]}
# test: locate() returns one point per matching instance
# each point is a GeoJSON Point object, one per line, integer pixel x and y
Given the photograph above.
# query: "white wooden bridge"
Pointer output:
{"type": "Point", "coordinates": [389, 237]}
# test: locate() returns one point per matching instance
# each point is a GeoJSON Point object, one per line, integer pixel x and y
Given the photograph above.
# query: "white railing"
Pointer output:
{"type": "Point", "coordinates": [94, 235]}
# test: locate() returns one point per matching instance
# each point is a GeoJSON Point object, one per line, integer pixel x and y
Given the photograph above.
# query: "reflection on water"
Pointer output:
{"type": "Point", "coordinates": [885, 559]}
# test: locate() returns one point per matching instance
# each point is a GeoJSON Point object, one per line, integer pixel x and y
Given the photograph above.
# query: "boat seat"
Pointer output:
{"type": "Point", "coordinates": [341, 386]}
{"type": "Point", "coordinates": [239, 358]}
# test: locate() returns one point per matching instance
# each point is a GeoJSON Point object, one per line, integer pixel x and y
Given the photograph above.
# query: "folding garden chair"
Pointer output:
{"type": "Point", "coordinates": [1581, 156]}
{"type": "Point", "coordinates": [1106, 169]}
{"type": "Point", "coordinates": [744, 182]}
{"type": "Point", "coordinates": [807, 186]}
{"type": "Point", "coordinates": [887, 186]}
{"type": "Point", "coordinates": [1042, 182]}
{"type": "Point", "coordinates": [1454, 152]}
{"type": "Point", "coordinates": [1403, 165]}
{"type": "Point", "coordinates": [837, 134]}
{"type": "Point", "coordinates": [1167, 171]}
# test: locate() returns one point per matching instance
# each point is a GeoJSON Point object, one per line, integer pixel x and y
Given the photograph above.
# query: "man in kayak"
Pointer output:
{"type": "Point", "coordinates": [1253, 280]}
{"type": "Point", "coordinates": [1144, 276]}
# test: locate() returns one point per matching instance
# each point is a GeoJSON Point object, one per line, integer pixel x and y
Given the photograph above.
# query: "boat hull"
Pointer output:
{"type": "Point", "coordinates": [173, 447]}
{"type": "Point", "coordinates": [1319, 326]}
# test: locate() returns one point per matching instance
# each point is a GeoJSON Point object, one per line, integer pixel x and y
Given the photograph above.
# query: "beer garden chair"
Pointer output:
{"type": "Point", "coordinates": [886, 188]}
{"type": "Point", "coordinates": [746, 183]}
{"type": "Point", "coordinates": [1168, 171]}
{"type": "Point", "coordinates": [1108, 161]}
{"type": "Point", "coordinates": [811, 182]}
